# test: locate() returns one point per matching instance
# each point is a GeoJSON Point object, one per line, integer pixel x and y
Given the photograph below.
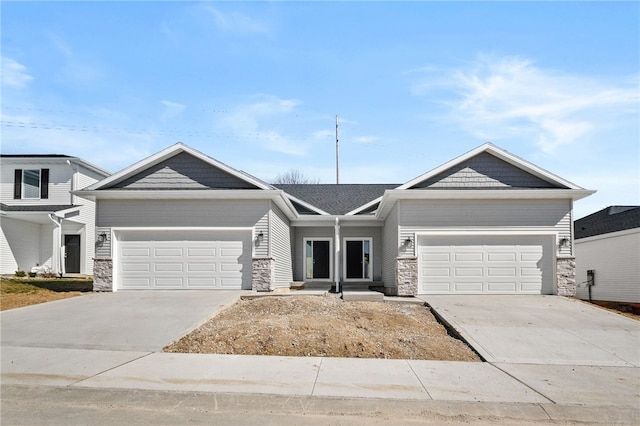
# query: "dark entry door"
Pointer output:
{"type": "Point", "coordinates": [72, 254]}
{"type": "Point", "coordinates": [318, 259]}
{"type": "Point", "coordinates": [358, 259]}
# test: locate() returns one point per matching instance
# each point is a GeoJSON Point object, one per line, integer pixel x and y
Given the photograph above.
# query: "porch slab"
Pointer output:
{"type": "Point", "coordinates": [362, 296]}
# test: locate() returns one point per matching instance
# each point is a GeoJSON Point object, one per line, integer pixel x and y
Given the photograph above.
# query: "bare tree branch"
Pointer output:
{"type": "Point", "coordinates": [294, 176]}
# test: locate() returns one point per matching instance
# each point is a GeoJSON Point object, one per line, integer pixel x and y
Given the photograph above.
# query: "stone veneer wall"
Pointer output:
{"type": "Point", "coordinates": [102, 275]}
{"type": "Point", "coordinates": [566, 271]}
{"type": "Point", "coordinates": [263, 274]}
{"type": "Point", "coordinates": [407, 276]}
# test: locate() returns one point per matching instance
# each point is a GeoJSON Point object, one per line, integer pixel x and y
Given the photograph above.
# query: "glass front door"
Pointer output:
{"type": "Point", "coordinates": [357, 265]}
{"type": "Point", "coordinates": [317, 256]}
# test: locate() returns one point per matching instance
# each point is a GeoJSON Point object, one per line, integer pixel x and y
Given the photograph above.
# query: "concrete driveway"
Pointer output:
{"type": "Point", "coordinates": [549, 330]}
{"type": "Point", "coordinates": [122, 321]}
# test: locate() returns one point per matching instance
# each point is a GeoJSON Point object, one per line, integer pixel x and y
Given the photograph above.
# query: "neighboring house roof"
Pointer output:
{"type": "Point", "coordinates": [34, 156]}
{"type": "Point", "coordinates": [35, 208]}
{"type": "Point", "coordinates": [336, 199]}
{"type": "Point", "coordinates": [605, 221]}
{"type": "Point", "coordinates": [52, 159]}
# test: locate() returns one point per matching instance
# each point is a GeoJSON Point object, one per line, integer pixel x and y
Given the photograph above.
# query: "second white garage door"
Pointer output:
{"type": "Point", "coordinates": [173, 260]}
{"type": "Point", "coordinates": [485, 264]}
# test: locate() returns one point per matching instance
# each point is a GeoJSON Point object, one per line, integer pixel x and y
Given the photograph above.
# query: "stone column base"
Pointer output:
{"type": "Point", "coordinates": [566, 273]}
{"type": "Point", "coordinates": [407, 276]}
{"type": "Point", "coordinates": [102, 275]}
{"type": "Point", "coordinates": [263, 274]}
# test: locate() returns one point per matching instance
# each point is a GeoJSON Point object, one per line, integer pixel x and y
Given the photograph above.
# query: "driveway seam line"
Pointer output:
{"type": "Point", "coordinates": [313, 388]}
{"type": "Point", "coordinates": [109, 369]}
{"type": "Point", "coordinates": [525, 384]}
{"type": "Point", "coordinates": [418, 377]}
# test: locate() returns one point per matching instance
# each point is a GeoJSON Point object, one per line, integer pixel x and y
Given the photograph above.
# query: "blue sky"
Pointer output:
{"type": "Point", "coordinates": [258, 85]}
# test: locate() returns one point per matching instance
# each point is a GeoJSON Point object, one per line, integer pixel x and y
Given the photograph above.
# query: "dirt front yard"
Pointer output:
{"type": "Point", "coordinates": [325, 326]}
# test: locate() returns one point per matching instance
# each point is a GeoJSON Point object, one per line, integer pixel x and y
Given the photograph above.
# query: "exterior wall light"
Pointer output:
{"type": "Point", "coordinates": [102, 237]}
{"type": "Point", "coordinates": [563, 243]}
{"type": "Point", "coordinates": [259, 237]}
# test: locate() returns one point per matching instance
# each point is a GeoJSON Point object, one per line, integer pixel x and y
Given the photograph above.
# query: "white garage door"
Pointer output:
{"type": "Point", "coordinates": [485, 264]}
{"type": "Point", "coordinates": [174, 260]}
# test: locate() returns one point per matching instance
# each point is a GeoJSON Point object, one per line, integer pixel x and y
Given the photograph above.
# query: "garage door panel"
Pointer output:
{"type": "Point", "coordinates": [136, 252]}
{"type": "Point", "coordinates": [168, 282]}
{"type": "Point", "coordinates": [174, 261]}
{"type": "Point", "coordinates": [135, 267]}
{"type": "Point", "coordinates": [468, 286]}
{"type": "Point", "coordinates": [168, 252]}
{"type": "Point", "coordinates": [502, 287]}
{"type": "Point", "coordinates": [501, 257]}
{"type": "Point", "coordinates": [485, 264]}
{"type": "Point", "coordinates": [468, 257]}
{"type": "Point", "coordinates": [468, 272]}
{"type": "Point", "coordinates": [201, 267]}
{"type": "Point", "coordinates": [501, 272]}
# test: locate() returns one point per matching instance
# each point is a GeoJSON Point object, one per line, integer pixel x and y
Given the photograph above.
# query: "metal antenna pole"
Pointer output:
{"type": "Point", "coordinates": [337, 154]}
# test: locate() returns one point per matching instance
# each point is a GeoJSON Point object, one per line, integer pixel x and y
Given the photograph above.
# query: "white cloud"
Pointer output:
{"type": "Point", "coordinates": [171, 109]}
{"type": "Point", "coordinates": [501, 97]}
{"type": "Point", "coordinates": [14, 74]}
{"type": "Point", "coordinates": [258, 122]}
{"type": "Point", "coordinates": [324, 134]}
{"type": "Point", "coordinates": [364, 139]}
{"type": "Point", "coordinates": [236, 23]}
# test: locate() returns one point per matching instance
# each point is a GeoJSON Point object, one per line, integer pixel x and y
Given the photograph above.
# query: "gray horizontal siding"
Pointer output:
{"type": "Point", "coordinates": [180, 213]}
{"type": "Point", "coordinates": [548, 216]}
{"type": "Point", "coordinates": [390, 248]}
{"type": "Point", "coordinates": [484, 171]}
{"type": "Point", "coordinates": [280, 243]}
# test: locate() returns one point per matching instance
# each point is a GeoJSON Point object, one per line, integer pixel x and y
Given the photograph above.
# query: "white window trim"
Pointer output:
{"type": "Point", "coordinates": [344, 258]}
{"type": "Point", "coordinates": [304, 259]}
{"type": "Point", "coordinates": [22, 184]}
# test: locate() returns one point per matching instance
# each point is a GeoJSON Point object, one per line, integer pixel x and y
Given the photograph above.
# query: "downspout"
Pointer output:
{"type": "Point", "coordinates": [57, 260]}
{"type": "Point", "coordinates": [336, 262]}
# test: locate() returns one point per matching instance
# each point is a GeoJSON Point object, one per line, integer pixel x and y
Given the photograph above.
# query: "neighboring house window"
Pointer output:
{"type": "Point", "coordinates": [31, 184]}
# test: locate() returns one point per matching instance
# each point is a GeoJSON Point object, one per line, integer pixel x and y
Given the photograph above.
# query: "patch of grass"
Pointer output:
{"type": "Point", "coordinates": [17, 292]}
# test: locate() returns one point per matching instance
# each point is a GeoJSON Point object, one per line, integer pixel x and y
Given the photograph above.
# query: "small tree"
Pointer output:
{"type": "Point", "coordinates": [294, 176]}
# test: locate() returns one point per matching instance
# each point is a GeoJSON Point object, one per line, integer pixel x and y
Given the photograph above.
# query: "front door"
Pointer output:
{"type": "Point", "coordinates": [72, 254]}
{"type": "Point", "coordinates": [357, 264]}
{"type": "Point", "coordinates": [317, 257]}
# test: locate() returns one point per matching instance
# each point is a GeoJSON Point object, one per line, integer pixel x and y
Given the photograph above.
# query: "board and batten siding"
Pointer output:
{"type": "Point", "coordinates": [390, 247]}
{"type": "Point", "coordinates": [544, 216]}
{"type": "Point", "coordinates": [280, 246]}
{"type": "Point", "coordinates": [615, 258]}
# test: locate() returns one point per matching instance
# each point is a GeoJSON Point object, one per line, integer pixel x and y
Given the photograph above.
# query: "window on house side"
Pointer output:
{"type": "Point", "coordinates": [31, 184]}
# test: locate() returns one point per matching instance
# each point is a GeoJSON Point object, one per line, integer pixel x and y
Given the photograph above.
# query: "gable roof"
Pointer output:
{"type": "Point", "coordinates": [336, 199]}
{"type": "Point", "coordinates": [488, 167]}
{"type": "Point", "coordinates": [179, 167]}
{"type": "Point", "coordinates": [608, 220]}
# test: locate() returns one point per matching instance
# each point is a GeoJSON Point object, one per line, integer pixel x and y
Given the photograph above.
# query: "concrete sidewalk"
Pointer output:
{"type": "Point", "coordinates": [612, 389]}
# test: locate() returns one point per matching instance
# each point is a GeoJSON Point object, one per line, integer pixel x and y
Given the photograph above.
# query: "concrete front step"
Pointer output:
{"type": "Point", "coordinates": [362, 296]}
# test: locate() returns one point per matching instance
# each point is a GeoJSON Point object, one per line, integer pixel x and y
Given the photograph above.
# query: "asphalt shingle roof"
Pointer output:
{"type": "Point", "coordinates": [336, 199]}
{"type": "Point", "coordinates": [605, 221]}
{"type": "Point", "coordinates": [35, 208]}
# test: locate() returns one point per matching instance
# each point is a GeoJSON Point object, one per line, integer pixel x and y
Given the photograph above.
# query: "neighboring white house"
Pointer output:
{"type": "Point", "coordinates": [608, 255]}
{"type": "Point", "coordinates": [45, 227]}
{"type": "Point", "coordinates": [485, 222]}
